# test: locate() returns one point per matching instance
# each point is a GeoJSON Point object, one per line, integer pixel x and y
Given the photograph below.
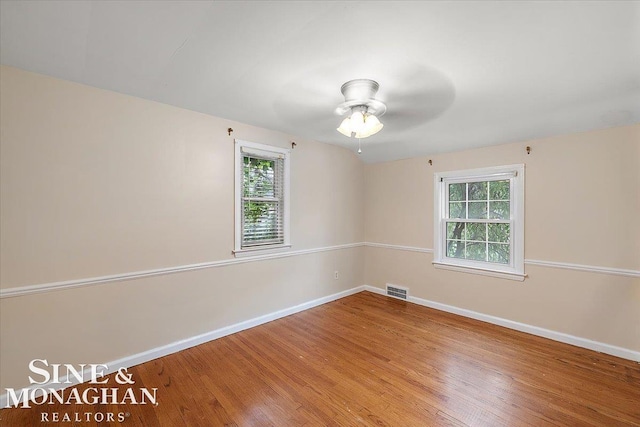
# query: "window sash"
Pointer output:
{"type": "Point", "coordinates": [467, 201]}
{"type": "Point", "coordinates": [488, 242]}
{"type": "Point", "coordinates": [268, 229]}
{"type": "Point", "coordinates": [268, 226]}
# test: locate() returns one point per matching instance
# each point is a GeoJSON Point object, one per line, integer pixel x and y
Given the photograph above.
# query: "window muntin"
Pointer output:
{"type": "Point", "coordinates": [480, 219]}
{"type": "Point", "coordinates": [262, 197]}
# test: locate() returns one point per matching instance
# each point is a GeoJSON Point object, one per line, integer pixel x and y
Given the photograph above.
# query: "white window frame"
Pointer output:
{"type": "Point", "coordinates": [515, 173]}
{"type": "Point", "coordinates": [268, 150]}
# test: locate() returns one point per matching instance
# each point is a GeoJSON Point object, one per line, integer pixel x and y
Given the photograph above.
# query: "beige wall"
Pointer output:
{"type": "Point", "coordinates": [97, 183]}
{"type": "Point", "coordinates": [582, 195]}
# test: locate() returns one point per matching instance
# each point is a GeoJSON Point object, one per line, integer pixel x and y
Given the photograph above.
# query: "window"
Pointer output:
{"type": "Point", "coordinates": [479, 221]}
{"type": "Point", "coordinates": [262, 198]}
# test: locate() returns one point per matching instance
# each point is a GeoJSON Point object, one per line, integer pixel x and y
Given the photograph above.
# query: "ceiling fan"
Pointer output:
{"type": "Point", "coordinates": [398, 93]}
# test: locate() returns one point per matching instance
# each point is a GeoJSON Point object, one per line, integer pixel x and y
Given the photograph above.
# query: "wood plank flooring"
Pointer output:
{"type": "Point", "coordinates": [374, 361]}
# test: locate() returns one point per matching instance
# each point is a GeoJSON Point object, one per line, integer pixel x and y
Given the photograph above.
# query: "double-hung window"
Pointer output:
{"type": "Point", "coordinates": [262, 198]}
{"type": "Point", "coordinates": [479, 221]}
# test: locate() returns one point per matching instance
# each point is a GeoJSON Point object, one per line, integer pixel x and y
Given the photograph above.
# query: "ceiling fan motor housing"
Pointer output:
{"type": "Point", "coordinates": [359, 89]}
{"type": "Point", "coordinates": [361, 93]}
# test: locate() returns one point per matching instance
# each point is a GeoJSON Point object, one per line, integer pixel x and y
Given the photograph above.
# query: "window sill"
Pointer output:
{"type": "Point", "coordinates": [481, 271]}
{"type": "Point", "coordinates": [241, 253]}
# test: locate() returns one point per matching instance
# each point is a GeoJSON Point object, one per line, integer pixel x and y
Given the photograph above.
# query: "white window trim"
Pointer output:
{"type": "Point", "coordinates": [266, 249]}
{"type": "Point", "coordinates": [514, 271]}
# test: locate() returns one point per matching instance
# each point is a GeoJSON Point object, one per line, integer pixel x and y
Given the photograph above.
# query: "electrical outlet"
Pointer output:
{"type": "Point", "coordinates": [335, 274]}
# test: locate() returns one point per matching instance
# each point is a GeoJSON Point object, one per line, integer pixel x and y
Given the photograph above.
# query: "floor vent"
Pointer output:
{"type": "Point", "coordinates": [397, 292]}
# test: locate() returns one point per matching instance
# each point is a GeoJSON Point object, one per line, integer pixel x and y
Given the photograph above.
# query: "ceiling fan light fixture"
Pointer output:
{"type": "Point", "coordinates": [345, 127]}
{"type": "Point", "coordinates": [371, 126]}
{"type": "Point", "coordinates": [362, 107]}
{"type": "Point", "coordinates": [357, 121]}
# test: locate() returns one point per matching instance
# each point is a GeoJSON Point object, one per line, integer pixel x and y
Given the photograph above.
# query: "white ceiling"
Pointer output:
{"type": "Point", "coordinates": [454, 75]}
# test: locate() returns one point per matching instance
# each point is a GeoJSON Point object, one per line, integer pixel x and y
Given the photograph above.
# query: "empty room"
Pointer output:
{"type": "Point", "coordinates": [319, 213]}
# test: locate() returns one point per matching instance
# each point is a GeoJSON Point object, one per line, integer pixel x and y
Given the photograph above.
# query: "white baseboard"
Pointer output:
{"type": "Point", "coordinates": [146, 356]}
{"type": "Point", "coordinates": [165, 350]}
{"type": "Point", "coordinates": [613, 350]}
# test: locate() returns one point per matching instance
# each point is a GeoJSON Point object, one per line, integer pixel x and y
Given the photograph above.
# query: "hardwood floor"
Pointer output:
{"type": "Point", "coordinates": [371, 360]}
